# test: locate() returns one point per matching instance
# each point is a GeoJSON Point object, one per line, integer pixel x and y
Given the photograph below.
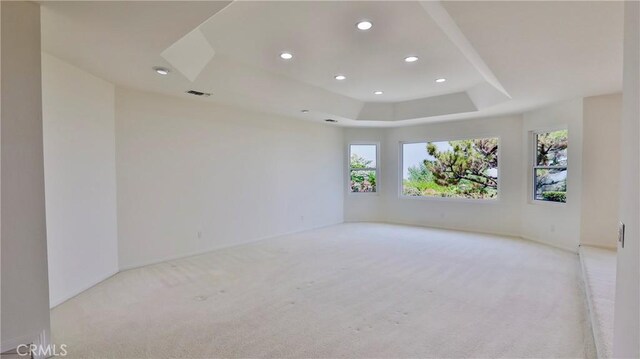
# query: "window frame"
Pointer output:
{"type": "Point", "coordinates": [494, 200]}
{"type": "Point", "coordinates": [376, 169]}
{"type": "Point", "coordinates": [533, 137]}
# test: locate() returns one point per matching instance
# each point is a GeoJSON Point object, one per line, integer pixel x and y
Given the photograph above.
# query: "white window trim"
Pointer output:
{"type": "Point", "coordinates": [377, 168]}
{"type": "Point", "coordinates": [495, 200]}
{"type": "Point", "coordinates": [533, 148]}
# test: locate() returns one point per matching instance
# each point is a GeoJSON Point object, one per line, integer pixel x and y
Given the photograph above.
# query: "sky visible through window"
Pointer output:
{"type": "Point", "coordinates": [415, 153]}
{"type": "Point", "coordinates": [368, 152]}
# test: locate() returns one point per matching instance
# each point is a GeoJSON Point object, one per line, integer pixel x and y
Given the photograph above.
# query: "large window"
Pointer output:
{"type": "Point", "coordinates": [550, 166]}
{"type": "Point", "coordinates": [363, 166]}
{"type": "Point", "coordinates": [454, 169]}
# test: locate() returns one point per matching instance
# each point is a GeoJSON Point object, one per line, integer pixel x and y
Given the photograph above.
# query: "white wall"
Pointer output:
{"type": "Point", "coordinates": [600, 170]}
{"type": "Point", "coordinates": [627, 313]}
{"type": "Point", "coordinates": [80, 178]}
{"type": "Point", "coordinates": [186, 167]}
{"type": "Point", "coordinates": [501, 216]}
{"type": "Point", "coordinates": [25, 293]}
{"type": "Point", "coordinates": [557, 224]}
{"type": "Point", "coordinates": [590, 214]}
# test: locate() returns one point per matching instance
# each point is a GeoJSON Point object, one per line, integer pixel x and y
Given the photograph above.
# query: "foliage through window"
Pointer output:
{"type": "Point", "coordinates": [455, 169]}
{"type": "Point", "coordinates": [363, 168]}
{"type": "Point", "coordinates": [550, 167]}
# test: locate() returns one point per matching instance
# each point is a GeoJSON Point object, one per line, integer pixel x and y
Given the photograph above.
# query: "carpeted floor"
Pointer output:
{"type": "Point", "coordinates": [346, 291]}
{"type": "Point", "coordinates": [599, 268]}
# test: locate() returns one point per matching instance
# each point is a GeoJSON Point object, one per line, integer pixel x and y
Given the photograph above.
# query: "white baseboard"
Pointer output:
{"type": "Point", "coordinates": [57, 302]}
{"type": "Point", "coordinates": [40, 338]}
{"type": "Point", "coordinates": [565, 247]}
{"type": "Point", "coordinates": [204, 251]}
{"type": "Point", "coordinates": [11, 344]}
{"type": "Point", "coordinates": [446, 228]}
{"type": "Point", "coordinates": [467, 230]}
{"type": "Point", "coordinates": [215, 248]}
{"type": "Point", "coordinates": [600, 246]}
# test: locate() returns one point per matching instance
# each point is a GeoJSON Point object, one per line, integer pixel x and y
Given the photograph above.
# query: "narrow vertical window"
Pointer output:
{"type": "Point", "coordinates": [363, 168]}
{"type": "Point", "coordinates": [550, 166]}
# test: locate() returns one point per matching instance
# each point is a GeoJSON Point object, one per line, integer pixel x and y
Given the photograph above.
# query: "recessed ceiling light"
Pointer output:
{"type": "Point", "coordinates": [340, 77]}
{"type": "Point", "coordinates": [378, 92]}
{"type": "Point", "coordinates": [331, 120]}
{"type": "Point", "coordinates": [286, 56]}
{"type": "Point", "coordinates": [411, 59]}
{"type": "Point", "coordinates": [161, 70]}
{"type": "Point", "coordinates": [441, 80]}
{"type": "Point", "coordinates": [304, 111]}
{"type": "Point", "coordinates": [364, 25]}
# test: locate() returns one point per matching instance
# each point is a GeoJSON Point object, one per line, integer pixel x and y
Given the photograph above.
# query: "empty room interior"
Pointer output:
{"type": "Point", "coordinates": [320, 179]}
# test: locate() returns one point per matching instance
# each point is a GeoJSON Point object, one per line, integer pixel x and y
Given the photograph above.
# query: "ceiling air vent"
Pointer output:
{"type": "Point", "coordinates": [198, 93]}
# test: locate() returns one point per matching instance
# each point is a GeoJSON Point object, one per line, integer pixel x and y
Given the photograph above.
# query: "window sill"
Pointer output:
{"type": "Point", "coordinates": [449, 199]}
{"type": "Point", "coordinates": [539, 202]}
{"type": "Point", "coordinates": [357, 194]}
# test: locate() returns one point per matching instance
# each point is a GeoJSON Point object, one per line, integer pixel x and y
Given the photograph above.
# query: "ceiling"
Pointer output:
{"type": "Point", "coordinates": [497, 57]}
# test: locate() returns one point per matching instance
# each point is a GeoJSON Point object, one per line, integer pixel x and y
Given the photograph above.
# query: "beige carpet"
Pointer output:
{"type": "Point", "coordinates": [599, 268]}
{"type": "Point", "coordinates": [347, 291]}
